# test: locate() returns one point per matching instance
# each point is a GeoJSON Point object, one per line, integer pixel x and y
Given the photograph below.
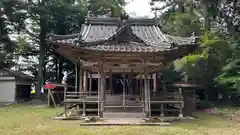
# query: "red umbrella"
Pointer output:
{"type": "Point", "coordinates": [49, 86]}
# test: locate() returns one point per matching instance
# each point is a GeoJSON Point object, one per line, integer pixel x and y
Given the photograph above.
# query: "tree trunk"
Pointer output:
{"type": "Point", "coordinates": [43, 33]}
{"type": "Point", "coordinates": [60, 69]}
{"type": "Point", "coordinates": [56, 66]}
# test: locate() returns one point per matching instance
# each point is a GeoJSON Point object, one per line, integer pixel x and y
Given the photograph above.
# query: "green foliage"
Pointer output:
{"type": "Point", "coordinates": [192, 68]}
{"type": "Point", "coordinates": [107, 7]}
{"type": "Point", "coordinates": [170, 74]}
{"type": "Point", "coordinates": [12, 15]}
{"type": "Point", "coordinates": [204, 66]}
{"type": "Point", "coordinates": [180, 24]}
{"type": "Point", "coordinates": [230, 75]}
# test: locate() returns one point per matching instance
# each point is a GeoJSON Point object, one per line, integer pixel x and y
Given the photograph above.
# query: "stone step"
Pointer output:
{"type": "Point", "coordinates": [115, 123]}
{"type": "Point", "coordinates": [117, 115]}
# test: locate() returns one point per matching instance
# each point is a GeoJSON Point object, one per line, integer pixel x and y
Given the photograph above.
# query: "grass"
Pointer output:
{"type": "Point", "coordinates": [32, 120]}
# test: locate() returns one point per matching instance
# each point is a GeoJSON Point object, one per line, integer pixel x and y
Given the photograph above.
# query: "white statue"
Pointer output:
{"type": "Point", "coordinates": [65, 75]}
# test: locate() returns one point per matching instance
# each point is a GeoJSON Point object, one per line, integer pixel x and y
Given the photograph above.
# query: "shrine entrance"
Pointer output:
{"type": "Point", "coordinates": [125, 95]}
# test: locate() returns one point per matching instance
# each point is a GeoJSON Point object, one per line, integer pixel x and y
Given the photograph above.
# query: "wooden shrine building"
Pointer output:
{"type": "Point", "coordinates": [134, 50]}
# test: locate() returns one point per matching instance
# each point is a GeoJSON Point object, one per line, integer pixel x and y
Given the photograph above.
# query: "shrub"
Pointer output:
{"type": "Point", "coordinates": [203, 104]}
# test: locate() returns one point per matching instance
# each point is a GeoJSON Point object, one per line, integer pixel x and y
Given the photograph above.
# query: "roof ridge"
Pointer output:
{"type": "Point", "coordinates": [57, 37]}
{"type": "Point", "coordinates": [117, 20]}
{"type": "Point", "coordinates": [103, 20]}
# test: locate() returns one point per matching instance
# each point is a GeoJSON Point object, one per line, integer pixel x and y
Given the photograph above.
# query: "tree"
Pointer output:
{"type": "Point", "coordinates": [203, 9]}
{"type": "Point", "coordinates": [12, 15]}
{"type": "Point", "coordinates": [230, 75]}
{"type": "Point", "coordinates": [112, 8]}
{"type": "Point", "coordinates": [61, 17]}
{"type": "Point", "coordinates": [180, 24]}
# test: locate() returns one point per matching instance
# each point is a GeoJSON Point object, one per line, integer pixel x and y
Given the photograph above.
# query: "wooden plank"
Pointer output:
{"type": "Point", "coordinates": [167, 102]}
{"type": "Point", "coordinates": [82, 92]}
{"type": "Point", "coordinates": [78, 101]}
{"type": "Point", "coordinates": [52, 98]}
{"type": "Point", "coordinates": [123, 106]}
{"type": "Point", "coordinates": [170, 110]}
{"type": "Point", "coordinates": [49, 100]}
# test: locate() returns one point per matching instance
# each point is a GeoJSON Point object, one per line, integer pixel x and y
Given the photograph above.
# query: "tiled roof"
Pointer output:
{"type": "Point", "coordinates": [132, 35]}
{"type": "Point", "coordinates": [125, 47]}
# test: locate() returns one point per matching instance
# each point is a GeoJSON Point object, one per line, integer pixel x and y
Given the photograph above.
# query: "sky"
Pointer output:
{"type": "Point", "coordinates": [139, 7]}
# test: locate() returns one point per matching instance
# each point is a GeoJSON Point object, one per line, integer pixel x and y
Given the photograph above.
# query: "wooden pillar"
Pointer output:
{"type": "Point", "coordinates": [136, 87]}
{"type": "Point", "coordinates": [149, 95]}
{"type": "Point", "coordinates": [141, 93]}
{"type": "Point", "coordinates": [141, 89]}
{"type": "Point", "coordinates": [80, 79]}
{"type": "Point", "coordinates": [162, 110]}
{"type": "Point", "coordinates": [146, 95]}
{"type": "Point", "coordinates": [155, 82]}
{"type": "Point", "coordinates": [124, 91]}
{"type": "Point", "coordinates": [110, 82]}
{"type": "Point", "coordinates": [102, 76]}
{"type": "Point", "coordinates": [99, 92]}
{"type": "Point", "coordinates": [85, 90]}
{"type": "Point", "coordinates": [90, 83]}
{"type": "Point", "coordinates": [76, 77]}
{"type": "Point", "coordinates": [181, 105]}
{"type": "Point", "coordinates": [85, 81]}
{"type": "Point", "coordinates": [80, 82]}
{"type": "Point", "coordinates": [130, 78]}
{"type": "Point", "coordinates": [104, 85]}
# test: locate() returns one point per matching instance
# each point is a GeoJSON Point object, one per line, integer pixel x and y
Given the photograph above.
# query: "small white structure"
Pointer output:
{"type": "Point", "coordinates": [14, 86]}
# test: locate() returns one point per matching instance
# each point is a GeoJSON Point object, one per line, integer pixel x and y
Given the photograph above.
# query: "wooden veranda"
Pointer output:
{"type": "Point", "coordinates": [137, 50]}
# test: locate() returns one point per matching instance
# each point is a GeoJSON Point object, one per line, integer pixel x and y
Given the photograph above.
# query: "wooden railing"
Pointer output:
{"type": "Point", "coordinates": [169, 97]}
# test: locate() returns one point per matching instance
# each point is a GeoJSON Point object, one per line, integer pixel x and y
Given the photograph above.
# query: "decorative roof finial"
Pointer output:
{"type": "Point", "coordinates": [89, 14]}
{"type": "Point", "coordinates": [194, 38]}
{"type": "Point", "coordinates": [124, 16]}
{"type": "Point", "coordinates": [193, 34]}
